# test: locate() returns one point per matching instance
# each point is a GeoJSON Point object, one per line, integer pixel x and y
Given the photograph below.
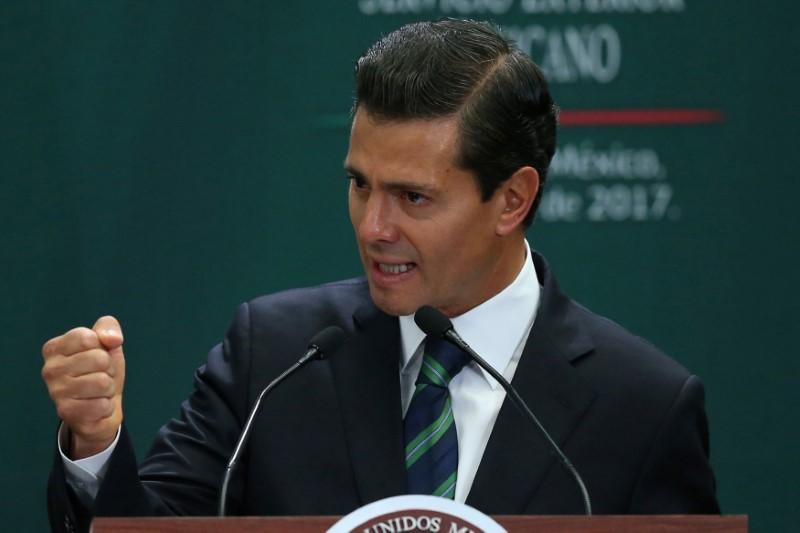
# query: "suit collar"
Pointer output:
{"type": "Point", "coordinates": [517, 460]}
{"type": "Point", "coordinates": [559, 319]}
{"type": "Point", "coordinates": [368, 385]}
{"type": "Point", "coordinates": [496, 327]}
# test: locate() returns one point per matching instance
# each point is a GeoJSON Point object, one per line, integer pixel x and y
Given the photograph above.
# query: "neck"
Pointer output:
{"type": "Point", "coordinates": [511, 255]}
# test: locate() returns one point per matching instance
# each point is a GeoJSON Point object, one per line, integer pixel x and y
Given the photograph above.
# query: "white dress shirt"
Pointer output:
{"type": "Point", "coordinates": [85, 475]}
{"type": "Point", "coordinates": [497, 329]}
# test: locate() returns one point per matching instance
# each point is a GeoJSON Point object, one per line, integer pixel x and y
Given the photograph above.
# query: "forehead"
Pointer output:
{"type": "Point", "coordinates": [382, 148]}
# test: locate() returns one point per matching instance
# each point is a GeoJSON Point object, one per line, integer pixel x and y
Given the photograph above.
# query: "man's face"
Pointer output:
{"type": "Point", "coordinates": [424, 235]}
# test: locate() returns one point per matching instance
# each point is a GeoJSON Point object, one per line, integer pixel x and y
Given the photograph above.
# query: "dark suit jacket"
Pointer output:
{"type": "Point", "coordinates": [330, 439]}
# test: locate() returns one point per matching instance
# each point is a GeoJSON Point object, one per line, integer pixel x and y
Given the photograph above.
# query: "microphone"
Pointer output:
{"type": "Point", "coordinates": [321, 345]}
{"type": "Point", "coordinates": [435, 324]}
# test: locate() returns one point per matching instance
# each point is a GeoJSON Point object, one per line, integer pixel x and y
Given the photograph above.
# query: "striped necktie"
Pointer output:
{"type": "Point", "coordinates": [429, 428]}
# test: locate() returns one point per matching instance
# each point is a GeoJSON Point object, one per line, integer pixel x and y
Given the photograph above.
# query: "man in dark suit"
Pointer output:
{"type": "Point", "coordinates": [452, 135]}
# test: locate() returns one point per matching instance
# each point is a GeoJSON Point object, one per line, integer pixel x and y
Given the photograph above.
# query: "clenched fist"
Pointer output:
{"type": "Point", "coordinates": [84, 370]}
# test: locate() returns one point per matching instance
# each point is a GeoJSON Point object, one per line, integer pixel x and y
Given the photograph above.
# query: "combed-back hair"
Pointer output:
{"type": "Point", "coordinates": [467, 69]}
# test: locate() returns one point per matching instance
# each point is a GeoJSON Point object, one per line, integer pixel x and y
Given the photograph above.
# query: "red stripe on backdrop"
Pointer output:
{"type": "Point", "coordinates": [639, 117]}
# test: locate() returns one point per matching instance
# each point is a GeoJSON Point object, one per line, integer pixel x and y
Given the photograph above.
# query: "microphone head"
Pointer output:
{"type": "Point", "coordinates": [432, 321]}
{"type": "Point", "coordinates": [327, 341]}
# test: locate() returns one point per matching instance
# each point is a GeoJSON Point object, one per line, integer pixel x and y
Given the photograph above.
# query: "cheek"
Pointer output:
{"type": "Point", "coordinates": [354, 211]}
{"type": "Point", "coordinates": [472, 239]}
{"type": "Point", "coordinates": [443, 247]}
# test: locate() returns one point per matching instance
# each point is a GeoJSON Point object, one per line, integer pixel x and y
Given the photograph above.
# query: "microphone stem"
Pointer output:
{"type": "Point", "coordinates": [240, 444]}
{"type": "Point", "coordinates": [522, 406]}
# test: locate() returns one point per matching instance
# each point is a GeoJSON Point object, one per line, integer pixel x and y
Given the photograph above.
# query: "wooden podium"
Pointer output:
{"type": "Point", "coordinates": [537, 524]}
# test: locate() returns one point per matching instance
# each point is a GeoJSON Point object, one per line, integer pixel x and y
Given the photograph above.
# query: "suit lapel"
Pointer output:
{"type": "Point", "coordinates": [517, 458]}
{"type": "Point", "coordinates": [367, 381]}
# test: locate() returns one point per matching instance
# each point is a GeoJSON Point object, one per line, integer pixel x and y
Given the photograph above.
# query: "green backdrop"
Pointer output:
{"type": "Point", "coordinates": [163, 161]}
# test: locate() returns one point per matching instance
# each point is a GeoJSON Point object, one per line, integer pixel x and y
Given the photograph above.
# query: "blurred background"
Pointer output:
{"type": "Point", "coordinates": [164, 161]}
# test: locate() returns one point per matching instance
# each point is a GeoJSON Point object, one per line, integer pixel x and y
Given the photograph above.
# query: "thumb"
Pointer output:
{"type": "Point", "coordinates": [109, 332]}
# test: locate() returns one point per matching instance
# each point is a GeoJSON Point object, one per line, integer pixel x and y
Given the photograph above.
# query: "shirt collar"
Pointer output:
{"type": "Point", "coordinates": [495, 328]}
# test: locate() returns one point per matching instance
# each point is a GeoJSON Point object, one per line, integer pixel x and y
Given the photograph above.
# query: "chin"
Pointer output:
{"type": "Point", "coordinates": [393, 306]}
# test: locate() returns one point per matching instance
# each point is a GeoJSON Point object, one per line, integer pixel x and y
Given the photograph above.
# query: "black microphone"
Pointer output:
{"type": "Point", "coordinates": [435, 324]}
{"type": "Point", "coordinates": [322, 344]}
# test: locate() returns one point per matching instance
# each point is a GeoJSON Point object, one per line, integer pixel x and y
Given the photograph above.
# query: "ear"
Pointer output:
{"type": "Point", "coordinates": [518, 193]}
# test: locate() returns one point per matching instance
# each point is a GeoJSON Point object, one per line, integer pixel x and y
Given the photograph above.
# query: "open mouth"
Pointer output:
{"type": "Point", "coordinates": [387, 268]}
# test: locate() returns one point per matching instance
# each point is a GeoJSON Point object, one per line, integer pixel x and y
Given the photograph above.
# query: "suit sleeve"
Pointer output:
{"type": "Point", "coordinates": [677, 477]}
{"type": "Point", "coordinates": [182, 472]}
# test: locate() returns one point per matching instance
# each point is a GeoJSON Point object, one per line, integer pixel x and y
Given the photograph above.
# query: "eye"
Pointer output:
{"type": "Point", "coordinates": [414, 198]}
{"type": "Point", "coordinates": [358, 182]}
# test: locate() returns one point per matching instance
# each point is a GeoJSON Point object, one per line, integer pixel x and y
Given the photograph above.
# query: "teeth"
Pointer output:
{"type": "Point", "coordinates": [395, 269]}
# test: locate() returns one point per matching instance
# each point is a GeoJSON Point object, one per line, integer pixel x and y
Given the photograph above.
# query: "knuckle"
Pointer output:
{"type": "Point", "coordinates": [55, 391]}
{"type": "Point", "coordinates": [65, 410]}
{"type": "Point", "coordinates": [49, 348]}
{"type": "Point", "coordinates": [104, 383]}
{"type": "Point", "coordinates": [74, 332]}
{"type": "Point", "coordinates": [102, 360]}
{"type": "Point", "coordinates": [105, 407]}
{"type": "Point", "coordinates": [97, 409]}
{"type": "Point", "coordinates": [51, 373]}
{"type": "Point", "coordinates": [47, 373]}
{"type": "Point", "coordinates": [87, 339]}
{"type": "Point", "coordinates": [82, 338]}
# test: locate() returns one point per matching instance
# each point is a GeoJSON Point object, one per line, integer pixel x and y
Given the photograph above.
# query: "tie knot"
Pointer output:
{"type": "Point", "coordinates": [441, 362]}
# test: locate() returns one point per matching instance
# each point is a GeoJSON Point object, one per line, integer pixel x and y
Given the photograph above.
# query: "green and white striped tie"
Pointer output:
{"type": "Point", "coordinates": [429, 427]}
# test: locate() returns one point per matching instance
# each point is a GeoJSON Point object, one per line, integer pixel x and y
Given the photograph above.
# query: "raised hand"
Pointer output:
{"type": "Point", "coordinates": [84, 370]}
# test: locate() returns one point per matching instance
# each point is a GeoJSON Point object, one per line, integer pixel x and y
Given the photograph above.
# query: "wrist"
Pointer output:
{"type": "Point", "coordinates": [78, 447]}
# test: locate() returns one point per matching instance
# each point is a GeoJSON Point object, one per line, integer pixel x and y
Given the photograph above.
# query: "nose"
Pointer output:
{"type": "Point", "coordinates": [377, 221]}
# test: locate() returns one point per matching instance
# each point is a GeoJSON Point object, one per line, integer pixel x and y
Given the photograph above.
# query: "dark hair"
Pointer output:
{"type": "Point", "coordinates": [430, 70]}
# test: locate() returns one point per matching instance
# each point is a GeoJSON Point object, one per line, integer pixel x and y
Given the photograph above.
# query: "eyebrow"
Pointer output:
{"type": "Point", "coordinates": [397, 185]}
